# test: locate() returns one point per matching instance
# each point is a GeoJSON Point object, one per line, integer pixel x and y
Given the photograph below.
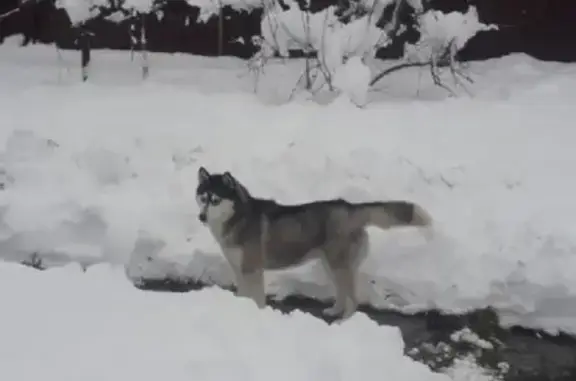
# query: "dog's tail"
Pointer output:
{"type": "Point", "coordinates": [389, 214]}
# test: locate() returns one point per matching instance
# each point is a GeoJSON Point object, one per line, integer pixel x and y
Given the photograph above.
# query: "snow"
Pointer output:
{"type": "Point", "coordinates": [140, 6]}
{"type": "Point", "coordinates": [353, 79]}
{"type": "Point", "coordinates": [105, 171]}
{"type": "Point", "coordinates": [14, 40]}
{"type": "Point", "coordinates": [283, 30]}
{"type": "Point", "coordinates": [334, 41]}
{"type": "Point", "coordinates": [211, 8]}
{"type": "Point", "coordinates": [95, 325]}
{"type": "Point", "coordinates": [454, 25]}
{"type": "Point", "coordinates": [438, 30]}
{"type": "Point", "coordinates": [81, 10]}
{"type": "Point", "coordinates": [466, 335]}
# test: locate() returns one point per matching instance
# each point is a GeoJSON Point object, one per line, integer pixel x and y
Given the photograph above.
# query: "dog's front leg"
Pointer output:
{"type": "Point", "coordinates": [245, 281]}
{"type": "Point", "coordinates": [251, 273]}
{"type": "Point", "coordinates": [251, 285]}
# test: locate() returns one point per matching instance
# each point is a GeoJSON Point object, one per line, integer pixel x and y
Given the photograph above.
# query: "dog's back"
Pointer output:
{"type": "Point", "coordinates": [289, 233]}
{"type": "Point", "coordinates": [293, 234]}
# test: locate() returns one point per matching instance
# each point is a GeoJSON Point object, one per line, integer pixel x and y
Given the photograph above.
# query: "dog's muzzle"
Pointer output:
{"type": "Point", "coordinates": [203, 218]}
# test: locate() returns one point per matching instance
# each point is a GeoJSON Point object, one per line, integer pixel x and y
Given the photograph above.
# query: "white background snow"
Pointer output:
{"type": "Point", "coordinates": [105, 171]}
{"type": "Point", "coordinates": [492, 170]}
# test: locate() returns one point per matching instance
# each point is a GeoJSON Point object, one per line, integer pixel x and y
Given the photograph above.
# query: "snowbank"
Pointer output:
{"type": "Point", "coordinates": [107, 172]}
{"type": "Point", "coordinates": [95, 325]}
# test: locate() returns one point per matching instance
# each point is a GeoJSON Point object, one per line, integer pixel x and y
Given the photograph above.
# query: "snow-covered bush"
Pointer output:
{"type": "Point", "coordinates": [353, 79]}
{"type": "Point", "coordinates": [329, 38]}
{"type": "Point", "coordinates": [335, 41]}
{"type": "Point", "coordinates": [323, 33]}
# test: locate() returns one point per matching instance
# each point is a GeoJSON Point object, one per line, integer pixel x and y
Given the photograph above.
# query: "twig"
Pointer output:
{"type": "Point", "coordinates": [257, 63]}
{"type": "Point", "coordinates": [436, 77]}
{"type": "Point", "coordinates": [4, 15]}
{"type": "Point", "coordinates": [18, 9]}
{"type": "Point", "coordinates": [392, 69]}
{"type": "Point", "coordinates": [220, 28]}
{"type": "Point", "coordinates": [144, 47]}
{"type": "Point", "coordinates": [60, 61]}
{"type": "Point", "coordinates": [305, 76]}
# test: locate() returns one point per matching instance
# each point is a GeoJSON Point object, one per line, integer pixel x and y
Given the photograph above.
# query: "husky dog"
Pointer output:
{"type": "Point", "coordinates": [257, 234]}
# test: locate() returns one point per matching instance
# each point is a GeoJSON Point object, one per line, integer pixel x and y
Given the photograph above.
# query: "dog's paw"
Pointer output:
{"type": "Point", "coordinates": [334, 311]}
{"type": "Point", "coordinates": [343, 318]}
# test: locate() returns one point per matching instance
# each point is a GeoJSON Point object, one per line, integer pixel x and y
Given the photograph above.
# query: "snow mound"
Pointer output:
{"type": "Point", "coordinates": [105, 328]}
{"type": "Point", "coordinates": [353, 79]}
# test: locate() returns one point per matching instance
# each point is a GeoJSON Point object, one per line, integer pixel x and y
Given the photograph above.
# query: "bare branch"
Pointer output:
{"type": "Point", "coordinates": [4, 15]}
{"type": "Point", "coordinates": [439, 58]}
{"type": "Point", "coordinates": [436, 78]}
{"type": "Point", "coordinates": [392, 69]}
{"type": "Point", "coordinates": [19, 8]}
{"type": "Point", "coordinates": [304, 76]}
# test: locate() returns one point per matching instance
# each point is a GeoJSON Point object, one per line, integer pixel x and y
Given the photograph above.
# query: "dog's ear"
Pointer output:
{"type": "Point", "coordinates": [203, 175]}
{"type": "Point", "coordinates": [232, 183]}
{"type": "Point", "coordinates": [229, 180]}
{"type": "Point", "coordinates": [242, 193]}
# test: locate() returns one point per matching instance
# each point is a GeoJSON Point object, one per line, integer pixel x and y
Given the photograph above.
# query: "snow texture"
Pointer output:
{"type": "Point", "coordinates": [105, 171]}
{"type": "Point", "coordinates": [96, 326]}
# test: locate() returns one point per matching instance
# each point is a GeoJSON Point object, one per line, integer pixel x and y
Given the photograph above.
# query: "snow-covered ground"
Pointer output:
{"type": "Point", "coordinates": [116, 180]}
{"type": "Point", "coordinates": [68, 325]}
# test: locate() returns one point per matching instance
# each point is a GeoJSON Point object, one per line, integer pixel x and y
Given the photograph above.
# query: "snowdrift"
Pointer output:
{"type": "Point", "coordinates": [106, 173]}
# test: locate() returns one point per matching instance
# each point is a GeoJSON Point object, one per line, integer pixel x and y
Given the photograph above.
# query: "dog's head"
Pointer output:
{"type": "Point", "coordinates": [219, 196]}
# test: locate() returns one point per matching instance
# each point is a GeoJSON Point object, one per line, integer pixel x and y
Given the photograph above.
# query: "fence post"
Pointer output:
{"type": "Point", "coordinates": [221, 30]}
{"type": "Point", "coordinates": [84, 41]}
{"type": "Point", "coordinates": [144, 47]}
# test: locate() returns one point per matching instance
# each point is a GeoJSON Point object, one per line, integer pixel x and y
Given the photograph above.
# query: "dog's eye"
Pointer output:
{"type": "Point", "coordinates": [203, 199]}
{"type": "Point", "coordinates": [215, 200]}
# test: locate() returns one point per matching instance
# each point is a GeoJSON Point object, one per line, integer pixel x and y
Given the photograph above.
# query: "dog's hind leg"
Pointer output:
{"type": "Point", "coordinates": [359, 251]}
{"type": "Point", "coordinates": [342, 267]}
{"type": "Point", "coordinates": [345, 303]}
{"type": "Point", "coordinates": [249, 274]}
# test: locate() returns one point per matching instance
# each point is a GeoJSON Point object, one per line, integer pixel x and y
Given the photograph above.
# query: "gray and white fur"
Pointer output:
{"type": "Point", "coordinates": [258, 234]}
